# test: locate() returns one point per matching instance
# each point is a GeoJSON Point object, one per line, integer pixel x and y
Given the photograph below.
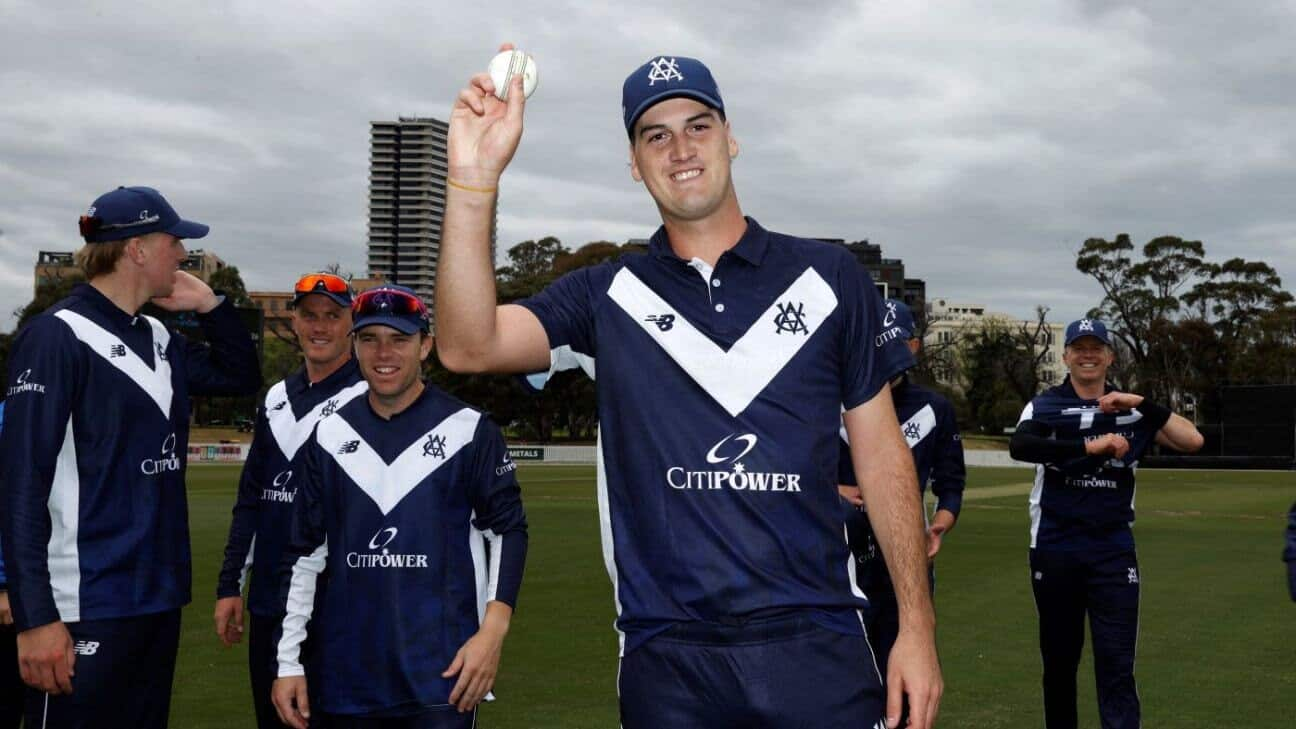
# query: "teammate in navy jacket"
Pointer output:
{"type": "Point", "coordinates": [329, 379]}
{"type": "Point", "coordinates": [96, 529]}
{"type": "Point", "coordinates": [1289, 552]}
{"type": "Point", "coordinates": [931, 430]}
{"type": "Point", "coordinates": [725, 356]}
{"type": "Point", "coordinates": [1087, 438]}
{"type": "Point", "coordinates": [407, 546]}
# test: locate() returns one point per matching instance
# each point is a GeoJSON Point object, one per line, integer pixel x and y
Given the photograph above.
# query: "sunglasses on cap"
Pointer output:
{"type": "Point", "coordinates": [388, 302]}
{"type": "Point", "coordinates": [313, 282]}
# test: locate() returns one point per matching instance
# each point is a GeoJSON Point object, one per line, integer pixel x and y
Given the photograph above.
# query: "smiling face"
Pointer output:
{"type": "Point", "coordinates": [389, 361]}
{"type": "Point", "coordinates": [1088, 359]}
{"type": "Point", "coordinates": [682, 152]}
{"type": "Point", "coordinates": [323, 329]}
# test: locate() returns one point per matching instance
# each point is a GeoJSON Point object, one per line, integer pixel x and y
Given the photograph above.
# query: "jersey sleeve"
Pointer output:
{"type": "Point", "coordinates": [869, 359]}
{"type": "Point", "coordinates": [303, 561]}
{"type": "Point", "coordinates": [240, 544]}
{"type": "Point", "coordinates": [227, 363]}
{"type": "Point", "coordinates": [496, 499]}
{"type": "Point", "coordinates": [949, 473]}
{"type": "Point", "coordinates": [38, 463]}
{"type": "Point", "coordinates": [565, 310]}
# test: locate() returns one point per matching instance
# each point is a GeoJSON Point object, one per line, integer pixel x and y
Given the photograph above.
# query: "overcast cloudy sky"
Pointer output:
{"type": "Point", "coordinates": [981, 142]}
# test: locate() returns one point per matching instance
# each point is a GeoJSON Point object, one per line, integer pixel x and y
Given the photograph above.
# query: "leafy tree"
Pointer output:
{"type": "Point", "coordinates": [228, 281]}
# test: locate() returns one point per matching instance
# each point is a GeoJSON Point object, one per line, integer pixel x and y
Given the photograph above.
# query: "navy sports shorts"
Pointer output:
{"type": "Point", "coordinates": [784, 672]}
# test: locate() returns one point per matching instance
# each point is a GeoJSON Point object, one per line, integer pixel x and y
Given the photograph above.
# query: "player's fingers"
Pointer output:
{"type": "Point", "coordinates": [919, 716]}
{"type": "Point", "coordinates": [483, 83]}
{"type": "Point", "coordinates": [455, 665]}
{"type": "Point", "coordinates": [516, 100]}
{"type": "Point", "coordinates": [506, 46]}
{"type": "Point", "coordinates": [473, 101]}
{"type": "Point", "coordinates": [303, 704]}
{"type": "Point", "coordinates": [894, 693]}
{"type": "Point", "coordinates": [63, 676]}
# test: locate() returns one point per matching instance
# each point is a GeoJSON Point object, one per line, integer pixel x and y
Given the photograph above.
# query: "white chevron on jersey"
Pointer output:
{"type": "Point", "coordinates": [155, 380]}
{"type": "Point", "coordinates": [388, 483]}
{"type": "Point", "coordinates": [289, 432]}
{"type": "Point", "coordinates": [733, 378]}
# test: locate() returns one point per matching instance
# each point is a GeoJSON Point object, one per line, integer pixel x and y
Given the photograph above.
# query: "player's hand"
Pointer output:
{"type": "Point", "coordinates": [6, 615]}
{"type": "Point", "coordinates": [484, 131]}
{"type": "Point", "coordinates": [1114, 402]}
{"type": "Point", "coordinates": [914, 671]}
{"type": "Point", "coordinates": [1108, 444]}
{"type": "Point", "coordinates": [851, 494]}
{"type": "Point", "coordinates": [941, 523]}
{"type": "Point", "coordinates": [189, 294]}
{"type": "Point", "coordinates": [478, 659]}
{"type": "Point", "coordinates": [229, 620]}
{"type": "Point", "coordinates": [289, 697]}
{"type": "Point", "coordinates": [45, 658]}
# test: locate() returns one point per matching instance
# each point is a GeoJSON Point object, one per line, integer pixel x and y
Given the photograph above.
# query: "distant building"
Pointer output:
{"type": "Point", "coordinates": [888, 275]}
{"type": "Point", "coordinates": [54, 265]}
{"type": "Point", "coordinates": [949, 321]}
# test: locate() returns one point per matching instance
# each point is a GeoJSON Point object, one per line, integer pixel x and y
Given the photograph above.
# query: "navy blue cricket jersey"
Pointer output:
{"type": "Point", "coordinates": [96, 525]}
{"type": "Point", "coordinates": [271, 476]}
{"type": "Point", "coordinates": [720, 394]}
{"type": "Point", "coordinates": [403, 530]}
{"type": "Point", "coordinates": [931, 430]}
{"type": "Point", "coordinates": [1087, 502]}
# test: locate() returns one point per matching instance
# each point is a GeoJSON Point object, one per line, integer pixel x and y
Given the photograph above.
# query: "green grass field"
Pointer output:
{"type": "Point", "coordinates": [1216, 642]}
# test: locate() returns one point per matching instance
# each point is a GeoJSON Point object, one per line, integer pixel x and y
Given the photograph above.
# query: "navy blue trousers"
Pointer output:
{"type": "Point", "coordinates": [1068, 587]}
{"type": "Point", "coordinates": [263, 668]}
{"type": "Point", "coordinates": [11, 685]}
{"type": "Point", "coordinates": [777, 673]}
{"type": "Point", "coordinates": [440, 718]}
{"type": "Point", "coordinates": [124, 668]}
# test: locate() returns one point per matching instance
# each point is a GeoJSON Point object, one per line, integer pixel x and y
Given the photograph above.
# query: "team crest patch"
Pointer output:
{"type": "Point", "coordinates": [664, 69]}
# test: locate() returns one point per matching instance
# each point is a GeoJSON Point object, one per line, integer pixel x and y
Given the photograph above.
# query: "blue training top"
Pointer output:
{"type": "Point", "coordinates": [95, 523]}
{"type": "Point", "coordinates": [271, 478]}
{"type": "Point", "coordinates": [1087, 502]}
{"type": "Point", "coordinates": [403, 530]}
{"type": "Point", "coordinates": [720, 394]}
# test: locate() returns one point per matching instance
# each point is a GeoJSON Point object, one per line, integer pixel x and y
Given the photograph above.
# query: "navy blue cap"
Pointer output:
{"type": "Point", "coordinates": [1087, 328]}
{"type": "Point", "coordinates": [130, 211]}
{"type": "Point", "coordinates": [392, 306]}
{"type": "Point", "coordinates": [667, 77]}
{"type": "Point", "coordinates": [897, 314]}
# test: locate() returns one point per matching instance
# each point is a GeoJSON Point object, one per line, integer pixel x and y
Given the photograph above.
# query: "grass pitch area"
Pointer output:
{"type": "Point", "coordinates": [1215, 645]}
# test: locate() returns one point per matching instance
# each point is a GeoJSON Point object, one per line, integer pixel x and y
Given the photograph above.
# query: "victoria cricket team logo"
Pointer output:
{"type": "Point", "coordinates": [664, 69]}
{"type": "Point", "coordinates": [1086, 325]}
{"type": "Point", "coordinates": [435, 446]}
{"type": "Point", "coordinates": [791, 319]}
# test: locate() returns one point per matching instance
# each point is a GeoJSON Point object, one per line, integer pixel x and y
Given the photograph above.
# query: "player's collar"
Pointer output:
{"type": "Point", "coordinates": [751, 247]}
{"type": "Point", "coordinates": [95, 298]}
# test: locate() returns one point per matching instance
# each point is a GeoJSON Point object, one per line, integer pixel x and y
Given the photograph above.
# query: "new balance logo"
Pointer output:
{"type": "Point", "coordinates": [86, 647]}
{"type": "Point", "coordinates": [117, 350]}
{"type": "Point", "coordinates": [350, 446]}
{"type": "Point", "coordinates": [435, 446]}
{"type": "Point", "coordinates": [664, 322]}
{"type": "Point", "coordinates": [791, 319]}
{"type": "Point", "coordinates": [280, 405]}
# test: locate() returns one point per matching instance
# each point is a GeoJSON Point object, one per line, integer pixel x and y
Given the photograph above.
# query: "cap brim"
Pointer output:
{"type": "Point", "coordinates": [651, 101]}
{"type": "Point", "coordinates": [400, 324]}
{"type": "Point", "coordinates": [338, 299]}
{"type": "Point", "coordinates": [188, 229]}
{"type": "Point", "coordinates": [1090, 335]}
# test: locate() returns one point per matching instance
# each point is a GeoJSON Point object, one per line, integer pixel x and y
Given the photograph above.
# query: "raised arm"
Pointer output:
{"type": "Point", "coordinates": [473, 334]}
{"type": "Point", "coordinates": [1173, 430]}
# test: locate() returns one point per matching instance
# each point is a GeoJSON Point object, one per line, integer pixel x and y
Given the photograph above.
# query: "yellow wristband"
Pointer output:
{"type": "Point", "coordinates": [470, 188]}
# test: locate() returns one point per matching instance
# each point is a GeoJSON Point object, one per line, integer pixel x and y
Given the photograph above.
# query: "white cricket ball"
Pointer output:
{"type": "Point", "coordinates": [508, 64]}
